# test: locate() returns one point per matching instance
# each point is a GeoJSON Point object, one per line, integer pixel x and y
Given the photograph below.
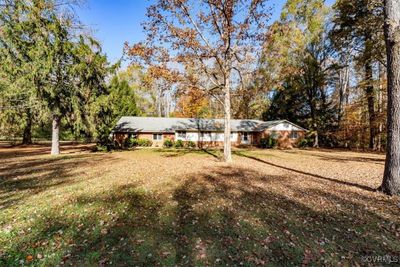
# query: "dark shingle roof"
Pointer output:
{"type": "Point", "coordinates": [165, 125]}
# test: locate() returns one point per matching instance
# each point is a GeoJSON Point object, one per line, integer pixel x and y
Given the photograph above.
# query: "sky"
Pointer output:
{"type": "Point", "coordinates": [113, 22]}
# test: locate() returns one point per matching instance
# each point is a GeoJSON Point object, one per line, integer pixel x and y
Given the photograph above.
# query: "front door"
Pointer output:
{"type": "Point", "coordinates": [245, 138]}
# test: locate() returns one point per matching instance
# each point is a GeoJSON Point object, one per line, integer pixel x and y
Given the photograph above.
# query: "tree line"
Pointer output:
{"type": "Point", "coordinates": [322, 67]}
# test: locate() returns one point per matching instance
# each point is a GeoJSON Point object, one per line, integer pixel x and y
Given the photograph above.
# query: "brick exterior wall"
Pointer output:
{"type": "Point", "coordinates": [121, 137]}
{"type": "Point", "coordinates": [284, 140]}
{"type": "Point", "coordinates": [156, 143]}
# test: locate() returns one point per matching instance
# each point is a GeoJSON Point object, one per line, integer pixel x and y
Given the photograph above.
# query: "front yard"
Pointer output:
{"type": "Point", "coordinates": [176, 207]}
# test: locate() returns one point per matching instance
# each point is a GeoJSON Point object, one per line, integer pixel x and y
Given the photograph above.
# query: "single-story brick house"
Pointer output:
{"type": "Point", "coordinates": [207, 132]}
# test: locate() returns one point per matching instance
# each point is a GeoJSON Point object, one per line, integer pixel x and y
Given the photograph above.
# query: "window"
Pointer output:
{"type": "Point", "coordinates": [206, 134]}
{"type": "Point", "coordinates": [294, 135]}
{"type": "Point", "coordinates": [245, 137]}
{"type": "Point", "coordinates": [157, 137]}
{"type": "Point", "coordinates": [182, 135]}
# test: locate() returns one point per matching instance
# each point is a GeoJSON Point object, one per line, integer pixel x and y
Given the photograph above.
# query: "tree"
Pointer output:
{"type": "Point", "coordinates": [63, 69]}
{"type": "Point", "coordinates": [90, 71]}
{"type": "Point", "coordinates": [213, 36]}
{"type": "Point", "coordinates": [297, 60]}
{"type": "Point", "coordinates": [146, 94]}
{"type": "Point", "coordinates": [123, 98]}
{"type": "Point", "coordinates": [358, 27]}
{"type": "Point", "coordinates": [120, 100]}
{"type": "Point", "coordinates": [391, 178]}
{"type": "Point", "coordinates": [76, 77]}
{"type": "Point", "coordinates": [16, 44]}
{"type": "Point", "coordinates": [192, 103]}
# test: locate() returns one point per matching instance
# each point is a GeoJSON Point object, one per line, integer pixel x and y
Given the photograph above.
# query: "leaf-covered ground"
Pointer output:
{"type": "Point", "coordinates": [175, 207]}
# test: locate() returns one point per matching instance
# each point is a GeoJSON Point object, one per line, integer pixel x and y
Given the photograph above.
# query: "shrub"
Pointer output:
{"type": "Point", "coordinates": [101, 148]}
{"type": "Point", "coordinates": [191, 144]}
{"type": "Point", "coordinates": [168, 143]}
{"type": "Point", "coordinates": [144, 142]}
{"type": "Point", "coordinates": [268, 142]}
{"type": "Point", "coordinates": [307, 141]}
{"type": "Point", "coordinates": [131, 142]}
{"type": "Point", "coordinates": [303, 143]}
{"type": "Point", "coordinates": [179, 144]}
{"type": "Point", "coordinates": [106, 147]}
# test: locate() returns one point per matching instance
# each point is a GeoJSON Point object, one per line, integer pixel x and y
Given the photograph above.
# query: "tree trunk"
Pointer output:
{"type": "Point", "coordinates": [369, 91]}
{"type": "Point", "coordinates": [316, 138]}
{"type": "Point", "coordinates": [391, 177]}
{"type": "Point", "coordinates": [380, 109]}
{"type": "Point", "coordinates": [27, 136]}
{"type": "Point", "coordinates": [227, 129]}
{"type": "Point", "coordinates": [315, 126]}
{"type": "Point", "coordinates": [55, 136]}
{"type": "Point", "coordinates": [343, 93]}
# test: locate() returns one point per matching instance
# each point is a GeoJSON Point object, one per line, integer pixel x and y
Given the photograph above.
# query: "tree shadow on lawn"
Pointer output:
{"type": "Point", "coordinates": [13, 152]}
{"type": "Point", "coordinates": [368, 160]}
{"type": "Point", "coordinates": [171, 153]}
{"type": "Point", "coordinates": [344, 158]}
{"type": "Point", "coordinates": [24, 178]}
{"type": "Point", "coordinates": [226, 216]}
{"type": "Point", "coordinates": [306, 173]}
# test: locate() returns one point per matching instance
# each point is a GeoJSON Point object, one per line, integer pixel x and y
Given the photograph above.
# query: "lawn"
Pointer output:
{"type": "Point", "coordinates": [154, 207]}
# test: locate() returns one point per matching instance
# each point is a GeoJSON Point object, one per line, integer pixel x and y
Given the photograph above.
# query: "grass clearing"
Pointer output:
{"type": "Point", "coordinates": [180, 207]}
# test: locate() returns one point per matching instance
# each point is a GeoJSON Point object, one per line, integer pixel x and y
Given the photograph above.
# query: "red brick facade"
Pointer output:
{"type": "Point", "coordinates": [284, 139]}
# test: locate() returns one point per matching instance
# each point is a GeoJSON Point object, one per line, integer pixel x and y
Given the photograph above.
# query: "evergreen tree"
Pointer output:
{"type": "Point", "coordinates": [64, 70]}
{"type": "Point", "coordinates": [19, 103]}
{"type": "Point", "coordinates": [120, 100]}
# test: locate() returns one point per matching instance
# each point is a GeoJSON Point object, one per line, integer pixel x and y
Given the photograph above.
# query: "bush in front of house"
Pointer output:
{"type": "Point", "coordinates": [144, 142]}
{"type": "Point", "coordinates": [268, 142]}
{"type": "Point", "coordinates": [105, 147]}
{"type": "Point", "coordinates": [179, 144]}
{"type": "Point", "coordinates": [168, 143]}
{"type": "Point", "coordinates": [131, 142]}
{"type": "Point", "coordinates": [190, 144]}
{"type": "Point", "coordinates": [307, 141]}
{"type": "Point", "coordinates": [134, 142]}
{"type": "Point", "coordinates": [303, 143]}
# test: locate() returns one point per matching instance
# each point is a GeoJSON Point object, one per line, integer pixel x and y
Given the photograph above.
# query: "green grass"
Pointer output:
{"type": "Point", "coordinates": [179, 207]}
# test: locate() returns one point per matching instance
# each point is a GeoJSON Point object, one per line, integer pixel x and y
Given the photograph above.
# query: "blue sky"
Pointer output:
{"type": "Point", "coordinates": [116, 21]}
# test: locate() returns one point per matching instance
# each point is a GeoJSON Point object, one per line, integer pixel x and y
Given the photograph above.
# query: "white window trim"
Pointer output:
{"type": "Point", "coordinates": [183, 133]}
{"type": "Point", "coordinates": [157, 135]}
{"type": "Point", "coordinates": [243, 134]}
{"type": "Point", "coordinates": [205, 134]}
{"type": "Point", "coordinates": [292, 135]}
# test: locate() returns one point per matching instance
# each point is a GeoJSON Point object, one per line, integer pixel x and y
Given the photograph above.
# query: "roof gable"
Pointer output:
{"type": "Point", "coordinates": [280, 125]}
